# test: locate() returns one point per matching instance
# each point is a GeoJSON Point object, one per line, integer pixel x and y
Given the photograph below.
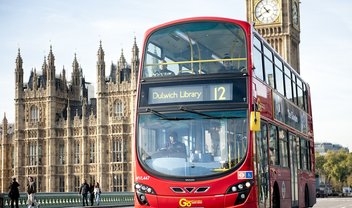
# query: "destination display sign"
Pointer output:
{"type": "Point", "coordinates": [190, 93]}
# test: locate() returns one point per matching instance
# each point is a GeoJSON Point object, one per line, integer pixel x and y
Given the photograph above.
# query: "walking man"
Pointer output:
{"type": "Point", "coordinates": [83, 190]}
{"type": "Point", "coordinates": [14, 193]}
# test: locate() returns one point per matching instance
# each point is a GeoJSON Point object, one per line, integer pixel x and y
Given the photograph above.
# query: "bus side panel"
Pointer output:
{"type": "Point", "coordinates": [303, 179]}
{"type": "Point", "coordinates": [281, 176]}
{"type": "Point", "coordinates": [310, 126]}
{"type": "Point", "coordinates": [306, 179]}
{"type": "Point", "coordinates": [312, 190]}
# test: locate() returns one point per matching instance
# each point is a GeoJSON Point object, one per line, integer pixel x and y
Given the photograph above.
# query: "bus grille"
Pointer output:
{"type": "Point", "coordinates": [189, 189]}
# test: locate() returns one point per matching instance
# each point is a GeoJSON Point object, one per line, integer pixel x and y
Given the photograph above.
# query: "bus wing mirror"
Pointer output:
{"type": "Point", "coordinates": [255, 121]}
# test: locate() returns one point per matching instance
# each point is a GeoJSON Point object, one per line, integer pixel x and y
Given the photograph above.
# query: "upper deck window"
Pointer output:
{"type": "Point", "coordinates": [196, 48]}
{"type": "Point", "coordinates": [268, 66]}
{"type": "Point", "coordinates": [279, 80]}
{"type": "Point", "coordinates": [258, 63]}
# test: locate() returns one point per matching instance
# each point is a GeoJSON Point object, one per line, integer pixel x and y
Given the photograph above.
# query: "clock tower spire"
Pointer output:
{"type": "Point", "coordinates": [278, 21]}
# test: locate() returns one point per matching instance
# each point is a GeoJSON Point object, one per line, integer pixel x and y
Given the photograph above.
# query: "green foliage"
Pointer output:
{"type": "Point", "coordinates": [336, 167]}
{"type": "Point", "coordinates": [319, 162]}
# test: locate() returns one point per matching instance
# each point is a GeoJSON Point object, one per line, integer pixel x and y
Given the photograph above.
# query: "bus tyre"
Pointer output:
{"type": "Point", "coordinates": [276, 197]}
{"type": "Point", "coordinates": [306, 197]}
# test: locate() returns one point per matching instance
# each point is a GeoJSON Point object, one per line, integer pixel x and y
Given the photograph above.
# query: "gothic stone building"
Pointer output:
{"type": "Point", "coordinates": [62, 136]}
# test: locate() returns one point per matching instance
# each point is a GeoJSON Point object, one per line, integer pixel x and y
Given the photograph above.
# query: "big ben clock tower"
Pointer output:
{"type": "Point", "coordinates": [278, 21]}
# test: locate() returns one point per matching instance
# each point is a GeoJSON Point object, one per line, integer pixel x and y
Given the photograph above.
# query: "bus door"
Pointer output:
{"type": "Point", "coordinates": [294, 154]}
{"type": "Point", "coordinates": [261, 139]}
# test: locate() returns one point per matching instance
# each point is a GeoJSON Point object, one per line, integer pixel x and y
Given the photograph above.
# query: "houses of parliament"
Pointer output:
{"type": "Point", "coordinates": [61, 135]}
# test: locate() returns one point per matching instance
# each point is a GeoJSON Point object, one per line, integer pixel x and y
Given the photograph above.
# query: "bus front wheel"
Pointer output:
{"type": "Point", "coordinates": [306, 197]}
{"type": "Point", "coordinates": [276, 197]}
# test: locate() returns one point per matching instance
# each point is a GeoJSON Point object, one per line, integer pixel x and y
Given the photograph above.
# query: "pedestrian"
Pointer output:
{"type": "Point", "coordinates": [164, 71]}
{"type": "Point", "coordinates": [31, 190]}
{"type": "Point", "coordinates": [91, 194]}
{"type": "Point", "coordinates": [14, 193]}
{"type": "Point", "coordinates": [83, 190]}
{"type": "Point", "coordinates": [97, 192]}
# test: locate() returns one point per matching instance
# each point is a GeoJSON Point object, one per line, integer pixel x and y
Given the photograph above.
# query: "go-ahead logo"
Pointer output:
{"type": "Point", "coordinates": [188, 203]}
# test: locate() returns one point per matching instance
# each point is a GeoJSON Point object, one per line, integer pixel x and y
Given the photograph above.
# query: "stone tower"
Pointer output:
{"type": "Point", "coordinates": [6, 149]}
{"type": "Point", "coordinates": [278, 21]}
{"type": "Point", "coordinates": [62, 136]}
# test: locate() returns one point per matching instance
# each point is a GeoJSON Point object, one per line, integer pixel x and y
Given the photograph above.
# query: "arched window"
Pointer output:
{"type": "Point", "coordinates": [117, 150]}
{"type": "Point", "coordinates": [33, 153]}
{"type": "Point", "coordinates": [76, 152]}
{"type": "Point", "coordinates": [119, 182]}
{"type": "Point", "coordinates": [92, 152]}
{"type": "Point", "coordinates": [61, 153]}
{"type": "Point", "coordinates": [77, 183]}
{"type": "Point", "coordinates": [34, 117]}
{"type": "Point", "coordinates": [61, 183]}
{"type": "Point", "coordinates": [118, 109]}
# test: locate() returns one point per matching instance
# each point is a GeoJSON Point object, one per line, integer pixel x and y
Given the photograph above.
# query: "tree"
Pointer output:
{"type": "Point", "coordinates": [319, 162]}
{"type": "Point", "coordinates": [336, 166]}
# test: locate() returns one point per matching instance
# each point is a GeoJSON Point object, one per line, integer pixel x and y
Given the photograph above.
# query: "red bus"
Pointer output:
{"type": "Point", "coordinates": [221, 120]}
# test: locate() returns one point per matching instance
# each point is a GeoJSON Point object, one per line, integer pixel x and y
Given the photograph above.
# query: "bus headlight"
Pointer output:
{"type": "Point", "coordinates": [141, 191]}
{"type": "Point", "coordinates": [144, 188]}
{"type": "Point", "coordinates": [242, 189]}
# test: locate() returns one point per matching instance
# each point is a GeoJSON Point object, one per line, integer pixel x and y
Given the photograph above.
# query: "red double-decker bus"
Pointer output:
{"type": "Point", "coordinates": [221, 120]}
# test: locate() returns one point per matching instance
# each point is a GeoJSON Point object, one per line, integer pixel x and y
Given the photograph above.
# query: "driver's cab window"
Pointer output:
{"type": "Point", "coordinates": [190, 145]}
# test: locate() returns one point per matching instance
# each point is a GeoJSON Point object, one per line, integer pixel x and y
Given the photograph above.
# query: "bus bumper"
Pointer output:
{"type": "Point", "coordinates": [217, 201]}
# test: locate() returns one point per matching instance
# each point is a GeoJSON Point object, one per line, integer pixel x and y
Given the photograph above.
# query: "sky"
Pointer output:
{"type": "Point", "coordinates": [77, 27]}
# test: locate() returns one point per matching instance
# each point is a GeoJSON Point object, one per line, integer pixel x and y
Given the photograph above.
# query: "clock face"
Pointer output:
{"type": "Point", "coordinates": [267, 11]}
{"type": "Point", "coordinates": [295, 13]}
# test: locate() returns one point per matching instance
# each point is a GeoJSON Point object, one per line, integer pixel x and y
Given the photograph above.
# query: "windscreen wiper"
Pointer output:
{"type": "Point", "coordinates": [182, 108]}
{"type": "Point", "coordinates": [163, 117]}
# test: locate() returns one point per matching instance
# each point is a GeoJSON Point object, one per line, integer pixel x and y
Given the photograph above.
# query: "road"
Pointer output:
{"type": "Point", "coordinates": [333, 203]}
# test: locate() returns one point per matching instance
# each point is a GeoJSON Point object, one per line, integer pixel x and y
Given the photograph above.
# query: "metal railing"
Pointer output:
{"type": "Point", "coordinates": [70, 199]}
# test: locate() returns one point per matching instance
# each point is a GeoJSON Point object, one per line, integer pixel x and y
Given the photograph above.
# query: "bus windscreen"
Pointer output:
{"type": "Point", "coordinates": [192, 144]}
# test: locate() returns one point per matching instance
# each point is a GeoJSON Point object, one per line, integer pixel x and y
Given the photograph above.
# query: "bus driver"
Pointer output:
{"type": "Point", "coordinates": [175, 145]}
{"type": "Point", "coordinates": [175, 148]}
